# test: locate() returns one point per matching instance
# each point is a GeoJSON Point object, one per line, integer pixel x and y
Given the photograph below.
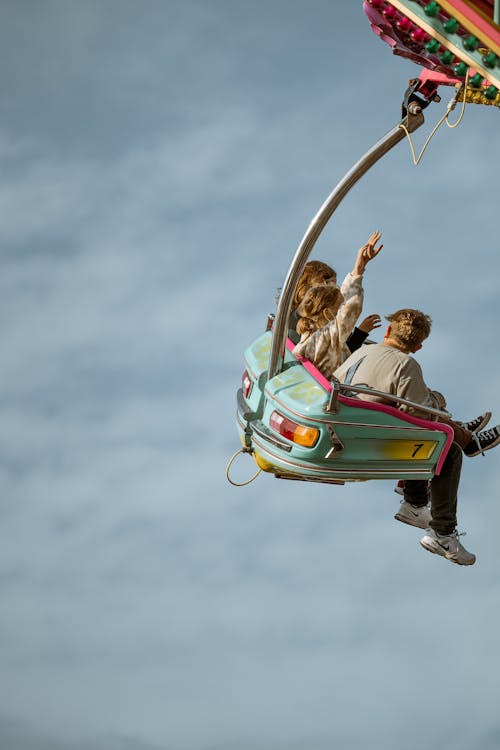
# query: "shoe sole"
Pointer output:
{"type": "Point", "coordinates": [438, 551]}
{"type": "Point", "coordinates": [487, 417]}
{"type": "Point", "coordinates": [409, 522]}
{"type": "Point", "coordinates": [484, 421]}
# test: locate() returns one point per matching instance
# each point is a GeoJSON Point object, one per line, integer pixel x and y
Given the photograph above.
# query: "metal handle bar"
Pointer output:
{"type": "Point", "coordinates": [347, 388]}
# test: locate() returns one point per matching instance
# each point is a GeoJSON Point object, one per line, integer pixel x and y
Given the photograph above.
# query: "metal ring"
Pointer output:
{"type": "Point", "coordinates": [230, 462]}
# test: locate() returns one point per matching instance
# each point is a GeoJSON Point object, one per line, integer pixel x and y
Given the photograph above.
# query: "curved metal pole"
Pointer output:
{"type": "Point", "coordinates": [412, 122]}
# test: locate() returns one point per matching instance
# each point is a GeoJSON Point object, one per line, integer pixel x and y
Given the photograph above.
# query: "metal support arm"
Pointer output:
{"type": "Point", "coordinates": [412, 121]}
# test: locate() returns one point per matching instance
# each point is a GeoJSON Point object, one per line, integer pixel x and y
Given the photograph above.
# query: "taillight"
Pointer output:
{"type": "Point", "coordinates": [297, 433]}
{"type": "Point", "coordinates": [246, 384]}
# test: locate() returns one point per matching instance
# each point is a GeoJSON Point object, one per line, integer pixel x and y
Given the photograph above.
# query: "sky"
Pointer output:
{"type": "Point", "coordinates": [160, 162]}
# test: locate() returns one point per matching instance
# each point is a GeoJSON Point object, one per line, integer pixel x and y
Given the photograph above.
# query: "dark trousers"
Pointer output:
{"type": "Point", "coordinates": [443, 490]}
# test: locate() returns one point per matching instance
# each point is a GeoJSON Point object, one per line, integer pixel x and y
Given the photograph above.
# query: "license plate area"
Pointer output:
{"type": "Point", "coordinates": [408, 450]}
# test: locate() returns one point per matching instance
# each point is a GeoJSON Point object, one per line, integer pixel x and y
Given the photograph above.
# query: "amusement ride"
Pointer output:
{"type": "Point", "coordinates": [291, 420]}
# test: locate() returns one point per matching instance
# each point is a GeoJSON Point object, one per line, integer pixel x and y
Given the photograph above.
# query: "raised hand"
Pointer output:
{"type": "Point", "coordinates": [367, 252]}
{"type": "Point", "coordinates": [370, 251]}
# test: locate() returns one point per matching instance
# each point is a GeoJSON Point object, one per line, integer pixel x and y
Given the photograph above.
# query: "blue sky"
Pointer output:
{"type": "Point", "coordinates": [160, 162]}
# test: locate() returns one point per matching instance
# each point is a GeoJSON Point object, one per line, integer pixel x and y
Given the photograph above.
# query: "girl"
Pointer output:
{"type": "Point", "coordinates": [315, 273]}
{"type": "Point", "coordinates": [327, 315]}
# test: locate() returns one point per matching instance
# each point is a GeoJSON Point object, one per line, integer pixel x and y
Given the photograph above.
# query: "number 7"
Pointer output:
{"type": "Point", "coordinates": [417, 448]}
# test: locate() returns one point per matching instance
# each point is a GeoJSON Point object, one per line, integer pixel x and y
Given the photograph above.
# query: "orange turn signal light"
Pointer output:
{"type": "Point", "coordinates": [297, 433]}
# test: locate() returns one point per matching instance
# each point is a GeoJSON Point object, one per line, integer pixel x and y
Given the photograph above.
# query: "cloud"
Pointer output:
{"type": "Point", "coordinates": [18, 735]}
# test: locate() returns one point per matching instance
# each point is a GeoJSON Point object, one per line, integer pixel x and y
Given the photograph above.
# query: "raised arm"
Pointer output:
{"type": "Point", "coordinates": [366, 253]}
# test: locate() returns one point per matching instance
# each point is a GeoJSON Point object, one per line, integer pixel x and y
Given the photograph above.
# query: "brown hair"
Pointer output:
{"type": "Point", "coordinates": [315, 273]}
{"type": "Point", "coordinates": [409, 327]}
{"type": "Point", "coordinates": [315, 300]}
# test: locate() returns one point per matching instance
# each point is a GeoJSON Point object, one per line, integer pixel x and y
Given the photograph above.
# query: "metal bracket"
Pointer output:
{"type": "Point", "coordinates": [414, 104]}
{"type": "Point", "coordinates": [332, 406]}
{"type": "Point", "coordinates": [337, 444]}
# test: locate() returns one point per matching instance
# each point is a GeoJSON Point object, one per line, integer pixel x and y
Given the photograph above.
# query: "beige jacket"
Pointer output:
{"type": "Point", "coordinates": [390, 370]}
{"type": "Point", "coordinates": [326, 347]}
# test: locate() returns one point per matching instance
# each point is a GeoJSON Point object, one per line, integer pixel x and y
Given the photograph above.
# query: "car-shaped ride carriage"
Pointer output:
{"type": "Point", "coordinates": [298, 425]}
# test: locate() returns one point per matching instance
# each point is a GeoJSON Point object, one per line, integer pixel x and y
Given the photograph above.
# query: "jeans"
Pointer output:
{"type": "Point", "coordinates": [443, 489]}
{"type": "Point", "coordinates": [462, 436]}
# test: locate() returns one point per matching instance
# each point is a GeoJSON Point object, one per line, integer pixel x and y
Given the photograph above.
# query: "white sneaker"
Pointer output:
{"type": "Point", "coordinates": [414, 515]}
{"type": "Point", "coordinates": [448, 546]}
{"type": "Point", "coordinates": [399, 489]}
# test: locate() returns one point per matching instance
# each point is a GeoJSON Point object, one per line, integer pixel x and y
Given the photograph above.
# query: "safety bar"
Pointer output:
{"type": "Point", "coordinates": [347, 388]}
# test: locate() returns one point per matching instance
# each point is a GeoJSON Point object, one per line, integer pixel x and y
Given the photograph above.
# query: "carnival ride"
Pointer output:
{"type": "Point", "coordinates": [291, 420]}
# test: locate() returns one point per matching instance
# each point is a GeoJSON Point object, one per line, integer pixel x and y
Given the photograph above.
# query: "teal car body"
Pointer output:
{"type": "Point", "coordinates": [294, 429]}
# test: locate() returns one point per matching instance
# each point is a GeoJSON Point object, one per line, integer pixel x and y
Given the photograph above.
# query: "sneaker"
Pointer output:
{"type": "Point", "coordinates": [399, 489]}
{"type": "Point", "coordinates": [447, 546]}
{"type": "Point", "coordinates": [483, 441]}
{"type": "Point", "coordinates": [414, 515]}
{"type": "Point", "coordinates": [478, 423]}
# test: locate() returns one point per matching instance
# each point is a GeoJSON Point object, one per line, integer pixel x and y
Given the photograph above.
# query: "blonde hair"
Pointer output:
{"type": "Point", "coordinates": [315, 273]}
{"type": "Point", "coordinates": [311, 308]}
{"type": "Point", "coordinates": [409, 327]}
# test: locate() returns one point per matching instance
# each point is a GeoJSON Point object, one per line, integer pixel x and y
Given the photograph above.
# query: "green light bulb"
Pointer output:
{"type": "Point", "coordinates": [491, 92]}
{"type": "Point", "coordinates": [471, 43]}
{"type": "Point", "coordinates": [461, 69]}
{"type": "Point", "coordinates": [490, 60]}
{"type": "Point", "coordinates": [451, 25]}
{"type": "Point", "coordinates": [476, 81]}
{"type": "Point", "coordinates": [432, 9]}
{"type": "Point", "coordinates": [432, 46]}
{"type": "Point", "coordinates": [447, 57]}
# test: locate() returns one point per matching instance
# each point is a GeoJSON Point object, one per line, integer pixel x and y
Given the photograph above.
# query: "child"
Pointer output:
{"type": "Point", "coordinates": [316, 273]}
{"type": "Point", "coordinates": [328, 313]}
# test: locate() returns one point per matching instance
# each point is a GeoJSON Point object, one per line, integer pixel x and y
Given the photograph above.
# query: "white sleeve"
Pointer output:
{"type": "Point", "coordinates": [350, 310]}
